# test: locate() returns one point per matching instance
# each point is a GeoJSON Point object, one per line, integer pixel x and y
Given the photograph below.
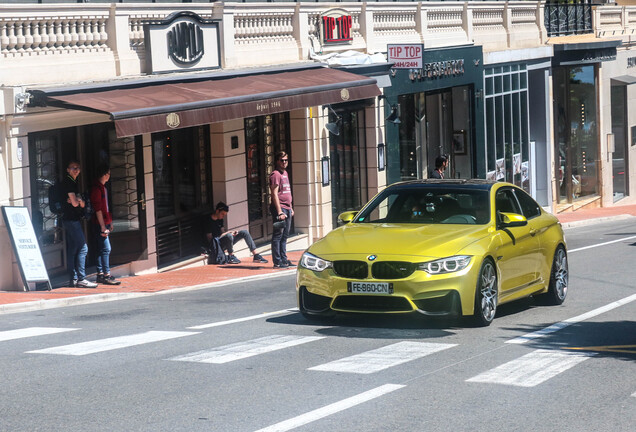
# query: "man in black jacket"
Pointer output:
{"type": "Point", "coordinates": [214, 228]}
{"type": "Point", "coordinates": [73, 207]}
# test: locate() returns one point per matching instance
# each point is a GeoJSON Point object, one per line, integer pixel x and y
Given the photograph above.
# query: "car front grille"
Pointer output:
{"type": "Point", "coordinates": [355, 303]}
{"type": "Point", "coordinates": [392, 269]}
{"type": "Point", "coordinates": [351, 269]}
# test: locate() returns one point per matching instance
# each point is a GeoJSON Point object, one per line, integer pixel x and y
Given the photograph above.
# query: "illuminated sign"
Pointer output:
{"type": "Point", "coordinates": [336, 27]}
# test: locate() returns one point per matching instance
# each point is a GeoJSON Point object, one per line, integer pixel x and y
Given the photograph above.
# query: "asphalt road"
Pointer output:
{"type": "Point", "coordinates": [240, 358]}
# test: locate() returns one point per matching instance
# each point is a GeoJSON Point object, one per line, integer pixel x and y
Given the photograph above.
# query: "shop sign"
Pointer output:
{"type": "Point", "coordinates": [406, 56]}
{"type": "Point", "coordinates": [25, 245]}
{"type": "Point", "coordinates": [182, 41]}
{"type": "Point", "coordinates": [335, 27]}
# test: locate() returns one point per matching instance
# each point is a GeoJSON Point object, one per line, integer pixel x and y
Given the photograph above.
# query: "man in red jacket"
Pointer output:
{"type": "Point", "coordinates": [103, 225]}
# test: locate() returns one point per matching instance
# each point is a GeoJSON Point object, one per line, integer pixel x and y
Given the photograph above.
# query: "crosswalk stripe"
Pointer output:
{"type": "Point", "coordinates": [382, 358]}
{"type": "Point", "coordinates": [92, 347]}
{"type": "Point", "coordinates": [532, 369]}
{"type": "Point", "coordinates": [333, 408]}
{"type": "Point", "coordinates": [238, 320]}
{"type": "Point", "coordinates": [568, 322]}
{"type": "Point", "coordinates": [241, 350]}
{"type": "Point", "coordinates": [30, 332]}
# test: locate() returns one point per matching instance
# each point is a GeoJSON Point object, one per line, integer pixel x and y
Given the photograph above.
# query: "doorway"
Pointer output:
{"type": "Point", "coordinates": [264, 137]}
{"type": "Point", "coordinates": [125, 190]}
{"type": "Point", "coordinates": [182, 177]}
{"type": "Point", "coordinates": [619, 129]}
{"type": "Point", "coordinates": [433, 124]}
{"type": "Point", "coordinates": [347, 157]}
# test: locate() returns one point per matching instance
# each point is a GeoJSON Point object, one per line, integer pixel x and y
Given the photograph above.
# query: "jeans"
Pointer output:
{"type": "Point", "coordinates": [76, 250]}
{"type": "Point", "coordinates": [103, 251]}
{"type": "Point", "coordinates": [279, 238]}
{"type": "Point", "coordinates": [228, 241]}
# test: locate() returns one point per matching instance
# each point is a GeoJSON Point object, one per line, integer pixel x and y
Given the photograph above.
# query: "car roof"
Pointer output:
{"type": "Point", "coordinates": [479, 184]}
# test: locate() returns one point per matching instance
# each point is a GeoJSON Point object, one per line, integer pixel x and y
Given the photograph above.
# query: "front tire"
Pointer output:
{"type": "Point", "coordinates": [559, 277]}
{"type": "Point", "coordinates": [487, 294]}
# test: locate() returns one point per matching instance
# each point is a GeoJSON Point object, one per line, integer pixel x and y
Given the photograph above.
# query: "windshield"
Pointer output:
{"type": "Point", "coordinates": [428, 206]}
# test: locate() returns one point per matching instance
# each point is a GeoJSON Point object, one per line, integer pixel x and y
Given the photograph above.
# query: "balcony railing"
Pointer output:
{"type": "Point", "coordinates": [568, 17]}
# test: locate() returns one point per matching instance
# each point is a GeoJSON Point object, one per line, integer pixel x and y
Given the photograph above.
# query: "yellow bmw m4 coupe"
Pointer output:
{"type": "Point", "coordinates": [437, 247]}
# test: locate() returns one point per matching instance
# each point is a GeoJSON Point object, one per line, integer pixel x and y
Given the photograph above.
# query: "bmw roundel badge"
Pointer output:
{"type": "Point", "coordinates": [372, 257]}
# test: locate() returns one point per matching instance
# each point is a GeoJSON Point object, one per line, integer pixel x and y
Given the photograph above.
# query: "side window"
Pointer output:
{"type": "Point", "coordinates": [506, 202]}
{"type": "Point", "coordinates": [529, 206]}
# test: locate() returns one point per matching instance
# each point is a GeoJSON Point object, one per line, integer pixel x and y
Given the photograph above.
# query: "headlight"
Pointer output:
{"type": "Point", "coordinates": [445, 265]}
{"type": "Point", "coordinates": [314, 263]}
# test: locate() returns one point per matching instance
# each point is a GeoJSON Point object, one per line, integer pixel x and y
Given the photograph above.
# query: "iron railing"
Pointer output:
{"type": "Point", "coordinates": [568, 17]}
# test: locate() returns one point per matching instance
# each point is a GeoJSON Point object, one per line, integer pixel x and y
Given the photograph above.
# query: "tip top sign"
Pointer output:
{"type": "Point", "coordinates": [336, 27]}
{"type": "Point", "coordinates": [406, 56]}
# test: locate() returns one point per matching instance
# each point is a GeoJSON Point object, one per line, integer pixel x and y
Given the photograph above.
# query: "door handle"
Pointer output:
{"type": "Point", "coordinates": [533, 232]}
{"type": "Point", "coordinates": [142, 201]}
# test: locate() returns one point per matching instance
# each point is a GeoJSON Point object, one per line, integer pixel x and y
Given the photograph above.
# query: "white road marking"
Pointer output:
{"type": "Point", "coordinates": [532, 369]}
{"type": "Point", "coordinates": [30, 332]}
{"type": "Point", "coordinates": [568, 322]}
{"type": "Point", "coordinates": [238, 320]}
{"type": "Point", "coordinates": [113, 343]}
{"type": "Point", "coordinates": [243, 350]}
{"type": "Point", "coordinates": [601, 244]}
{"type": "Point", "coordinates": [382, 358]}
{"type": "Point", "coordinates": [634, 394]}
{"type": "Point", "coordinates": [328, 410]}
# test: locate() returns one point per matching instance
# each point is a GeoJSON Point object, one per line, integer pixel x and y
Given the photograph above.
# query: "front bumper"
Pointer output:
{"type": "Point", "coordinates": [441, 294]}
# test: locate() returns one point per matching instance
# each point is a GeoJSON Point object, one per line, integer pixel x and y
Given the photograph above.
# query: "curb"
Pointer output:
{"type": "Point", "coordinates": [593, 221]}
{"type": "Point", "coordinates": [104, 297]}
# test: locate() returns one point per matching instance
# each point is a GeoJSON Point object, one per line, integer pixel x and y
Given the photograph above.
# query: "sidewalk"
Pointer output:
{"type": "Point", "coordinates": [206, 276]}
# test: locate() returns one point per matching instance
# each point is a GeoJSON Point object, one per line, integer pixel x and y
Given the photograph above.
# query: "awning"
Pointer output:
{"type": "Point", "coordinates": [623, 80]}
{"type": "Point", "coordinates": [169, 104]}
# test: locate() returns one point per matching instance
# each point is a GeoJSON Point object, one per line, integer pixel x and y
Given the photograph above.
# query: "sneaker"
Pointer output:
{"type": "Point", "coordinates": [231, 259]}
{"type": "Point", "coordinates": [259, 259]}
{"type": "Point", "coordinates": [100, 279]}
{"type": "Point", "coordinates": [86, 284]}
{"type": "Point", "coordinates": [72, 283]}
{"type": "Point", "coordinates": [109, 280]}
{"type": "Point", "coordinates": [280, 266]}
{"type": "Point", "coordinates": [290, 264]}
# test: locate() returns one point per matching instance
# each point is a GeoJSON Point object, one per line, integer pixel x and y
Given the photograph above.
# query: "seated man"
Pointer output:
{"type": "Point", "coordinates": [214, 229]}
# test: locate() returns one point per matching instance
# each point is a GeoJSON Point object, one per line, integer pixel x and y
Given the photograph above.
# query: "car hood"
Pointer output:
{"type": "Point", "coordinates": [440, 240]}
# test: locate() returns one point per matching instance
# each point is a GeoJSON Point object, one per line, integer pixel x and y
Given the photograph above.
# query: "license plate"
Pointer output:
{"type": "Point", "coordinates": [370, 287]}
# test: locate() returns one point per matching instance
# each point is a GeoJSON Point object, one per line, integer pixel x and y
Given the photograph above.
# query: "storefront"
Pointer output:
{"type": "Point", "coordinates": [434, 107]}
{"type": "Point", "coordinates": [188, 163]}
{"type": "Point", "coordinates": [518, 141]}
{"type": "Point", "coordinates": [577, 124]}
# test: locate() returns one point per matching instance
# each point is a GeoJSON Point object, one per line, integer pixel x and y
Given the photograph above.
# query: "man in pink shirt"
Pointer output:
{"type": "Point", "coordinates": [281, 208]}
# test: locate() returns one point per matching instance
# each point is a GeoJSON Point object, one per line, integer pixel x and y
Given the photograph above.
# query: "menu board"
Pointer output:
{"type": "Point", "coordinates": [25, 245]}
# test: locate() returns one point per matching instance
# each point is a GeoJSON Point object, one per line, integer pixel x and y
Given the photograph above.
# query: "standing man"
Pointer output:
{"type": "Point", "coordinates": [102, 225]}
{"type": "Point", "coordinates": [441, 162]}
{"type": "Point", "coordinates": [73, 210]}
{"type": "Point", "coordinates": [214, 229]}
{"type": "Point", "coordinates": [281, 208]}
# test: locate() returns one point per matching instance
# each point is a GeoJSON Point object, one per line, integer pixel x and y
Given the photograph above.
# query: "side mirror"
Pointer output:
{"type": "Point", "coordinates": [511, 220]}
{"type": "Point", "coordinates": [346, 217]}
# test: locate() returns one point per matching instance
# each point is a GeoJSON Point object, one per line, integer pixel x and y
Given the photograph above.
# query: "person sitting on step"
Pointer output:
{"type": "Point", "coordinates": [214, 228]}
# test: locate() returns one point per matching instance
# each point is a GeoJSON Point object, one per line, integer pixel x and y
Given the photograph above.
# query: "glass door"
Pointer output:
{"type": "Point", "coordinates": [264, 137]}
{"type": "Point", "coordinates": [125, 190]}
{"type": "Point", "coordinates": [619, 129]}
{"type": "Point", "coordinates": [347, 157]}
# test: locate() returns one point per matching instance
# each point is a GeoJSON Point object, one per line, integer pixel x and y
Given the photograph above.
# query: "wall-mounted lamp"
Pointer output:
{"type": "Point", "coordinates": [381, 157]}
{"type": "Point", "coordinates": [394, 117]}
{"type": "Point", "coordinates": [22, 100]}
{"type": "Point", "coordinates": [334, 127]}
{"type": "Point", "coordinates": [325, 170]}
